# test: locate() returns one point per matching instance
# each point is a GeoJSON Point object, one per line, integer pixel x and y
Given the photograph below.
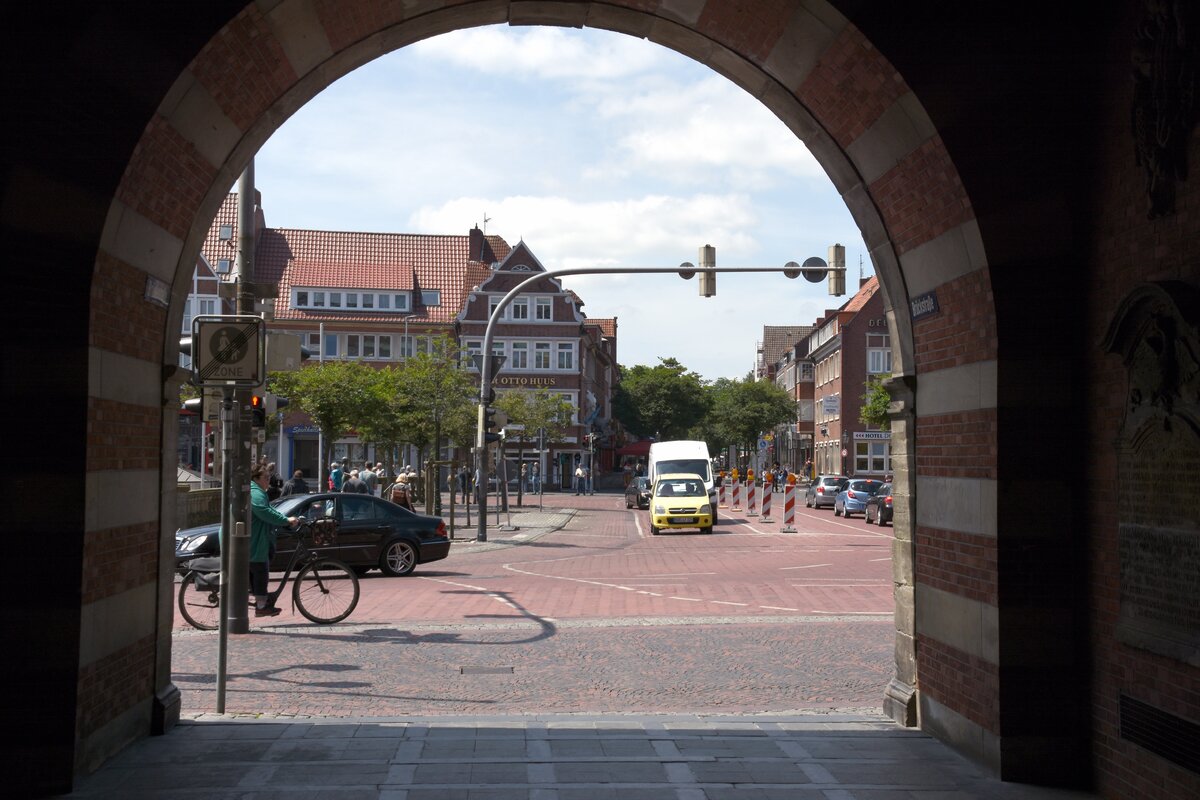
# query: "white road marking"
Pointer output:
{"type": "Point", "coordinates": [808, 566]}
{"type": "Point", "coordinates": [675, 574]}
{"type": "Point", "coordinates": [779, 608]}
{"type": "Point", "coordinates": [882, 559]}
{"type": "Point", "coordinates": [728, 603]}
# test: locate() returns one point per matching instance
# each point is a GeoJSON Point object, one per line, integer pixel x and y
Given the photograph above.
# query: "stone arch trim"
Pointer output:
{"type": "Point", "coordinates": [804, 60]}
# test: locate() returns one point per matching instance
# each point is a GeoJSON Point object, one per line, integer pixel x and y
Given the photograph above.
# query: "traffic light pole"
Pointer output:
{"type": "Point", "coordinates": [685, 270]}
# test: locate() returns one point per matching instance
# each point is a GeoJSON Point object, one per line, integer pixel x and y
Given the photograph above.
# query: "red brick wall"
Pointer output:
{"type": "Point", "coordinates": [957, 445]}
{"type": "Point", "coordinates": [118, 559]}
{"type": "Point", "coordinates": [964, 564]}
{"type": "Point", "coordinates": [966, 684]}
{"type": "Point", "coordinates": [167, 183]}
{"type": "Point", "coordinates": [112, 685]}
{"type": "Point", "coordinates": [964, 329]}
{"type": "Point", "coordinates": [122, 321]}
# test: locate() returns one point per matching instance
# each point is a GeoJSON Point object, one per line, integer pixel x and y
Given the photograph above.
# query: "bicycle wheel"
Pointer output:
{"type": "Point", "coordinates": [200, 607]}
{"type": "Point", "coordinates": [326, 591]}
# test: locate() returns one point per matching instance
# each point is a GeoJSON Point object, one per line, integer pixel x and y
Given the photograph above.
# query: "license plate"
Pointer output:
{"type": "Point", "coordinates": [683, 520]}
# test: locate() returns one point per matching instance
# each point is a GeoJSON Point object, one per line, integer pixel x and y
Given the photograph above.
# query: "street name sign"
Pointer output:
{"type": "Point", "coordinates": [228, 350]}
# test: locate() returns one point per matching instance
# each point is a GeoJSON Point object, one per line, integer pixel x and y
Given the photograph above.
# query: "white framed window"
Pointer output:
{"type": "Point", "coordinates": [873, 456]}
{"type": "Point", "coordinates": [324, 298]}
{"type": "Point", "coordinates": [352, 346]}
{"type": "Point", "coordinates": [431, 297]}
{"type": "Point", "coordinates": [497, 348]}
{"type": "Point", "coordinates": [385, 347]}
{"type": "Point", "coordinates": [519, 309]}
{"type": "Point", "coordinates": [331, 346]}
{"type": "Point", "coordinates": [406, 346]}
{"type": "Point", "coordinates": [545, 309]}
{"type": "Point", "coordinates": [368, 347]}
{"type": "Point", "coordinates": [223, 266]}
{"type": "Point", "coordinates": [541, 355]}
{"type": "Point", "coordinates": [520, 355]}
{"type": "Point", "coordinates": [225, 233]}
{"type": "Point", "coordinates": [806, 371]}
{"type": "Point", "coordinates": [492, 303]}
{"type": "Point", "coordinates": [566, 355]}
{"type": "Point", "coordinates": [879, 361]}
{"type": "Point", "coordinates": [472, 348]}
{"type": "Point", "coordinates": [571, 401]}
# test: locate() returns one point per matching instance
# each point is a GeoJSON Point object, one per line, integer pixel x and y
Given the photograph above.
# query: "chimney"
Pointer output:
{"type": "Point", "coordinates": [862, 282]}
{"type": "Point", "coordinates": [475, 251]}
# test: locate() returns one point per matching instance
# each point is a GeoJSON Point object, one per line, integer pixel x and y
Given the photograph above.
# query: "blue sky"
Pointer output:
{"type": "Point", "coordinates": [597, 149]}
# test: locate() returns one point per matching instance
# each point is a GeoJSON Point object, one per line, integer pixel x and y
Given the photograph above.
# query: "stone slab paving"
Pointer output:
{"type": "Point", "coordinates": [549, 757]}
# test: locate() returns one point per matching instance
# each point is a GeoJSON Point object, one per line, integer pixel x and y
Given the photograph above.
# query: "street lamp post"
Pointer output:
{"type": "Point", "coordinates": [685, 270]}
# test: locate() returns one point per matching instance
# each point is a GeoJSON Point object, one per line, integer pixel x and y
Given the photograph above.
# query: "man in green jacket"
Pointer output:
{"type": "Point", "coordinates": [264, 521]}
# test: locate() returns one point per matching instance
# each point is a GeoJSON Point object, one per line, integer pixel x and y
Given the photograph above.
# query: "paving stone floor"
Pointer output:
{"type": "Point", "coordinates": [549, 757]}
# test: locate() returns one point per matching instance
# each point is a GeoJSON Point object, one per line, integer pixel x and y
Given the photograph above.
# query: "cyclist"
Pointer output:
{"type": "Point", "coordinates": [262, 538]}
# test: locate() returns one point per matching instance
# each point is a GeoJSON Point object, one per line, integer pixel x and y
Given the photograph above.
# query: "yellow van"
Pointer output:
{"type": "Point", "coordinates": [680, 500]}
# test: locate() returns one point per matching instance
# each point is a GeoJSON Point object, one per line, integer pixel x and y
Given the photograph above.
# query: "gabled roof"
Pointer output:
{"type": "Point", "coordinates": [865, 293]}
{"type": "Point", "coordinates": [607, 326]}
{"type": "Point", "coordinates": [779, 339]}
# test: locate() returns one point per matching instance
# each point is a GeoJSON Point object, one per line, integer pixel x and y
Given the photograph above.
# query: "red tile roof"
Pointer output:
{"type": "Point", "coordinates": [865, 293]}
{"type": "Point", "coordinates": [607, 326]}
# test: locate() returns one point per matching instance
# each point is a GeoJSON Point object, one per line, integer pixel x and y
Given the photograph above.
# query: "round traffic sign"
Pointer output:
{"type": "Point", "coordinates": [845, 452]}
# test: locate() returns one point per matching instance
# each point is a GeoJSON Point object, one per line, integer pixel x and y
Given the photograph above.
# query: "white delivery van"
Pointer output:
{"type": "Point", "coordinates": [683, 457]}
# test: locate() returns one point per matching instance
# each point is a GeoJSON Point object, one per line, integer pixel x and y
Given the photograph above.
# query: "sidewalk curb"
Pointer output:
{"type": "Point", "coordinates": [521, 533]}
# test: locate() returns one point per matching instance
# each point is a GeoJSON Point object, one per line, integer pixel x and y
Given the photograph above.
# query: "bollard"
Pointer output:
{"type": "Point", "coordinates": [789, 506]}
{"type": "Point", "coordinates": [766, 505]}
{"type": "Point", "coordinates": [737, 497]}
{"type": "Point", "coordinates": [751, 504]}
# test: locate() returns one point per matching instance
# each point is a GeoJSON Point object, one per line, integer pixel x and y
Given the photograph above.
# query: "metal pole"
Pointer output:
{"type": "Point", "coordinates": [228, 432]}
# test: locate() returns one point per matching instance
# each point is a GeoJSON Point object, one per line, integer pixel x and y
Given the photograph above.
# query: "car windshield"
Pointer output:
{"type": "Point", "coordinates": [865, 486]}
{"type": "Point", "coordinates": [681, 488]}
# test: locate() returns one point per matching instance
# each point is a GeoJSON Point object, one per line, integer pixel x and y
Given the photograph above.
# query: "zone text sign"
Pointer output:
{"type": "Point", "coordinates": [228, 350]}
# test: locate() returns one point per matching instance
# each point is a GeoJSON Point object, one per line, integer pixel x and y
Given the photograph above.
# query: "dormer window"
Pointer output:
{"type": "Point", "coordinates": [431, 297]}
{"type": "Point", "coordinates": [393, 302]}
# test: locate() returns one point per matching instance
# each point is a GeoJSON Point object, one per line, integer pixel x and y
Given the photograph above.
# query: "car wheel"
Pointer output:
{"type": "Point", "coordinates": [707, 529]}
{"type": "Point", "coordinates": [653, 531]}
{"type": "Point", "coordinates": [628, 504]}
{"type": "Point", "coordinates": [867, 515]}
{"type": "Point", "coordinates": [807, 503]}
{"type": "Point", "coordinates": [398, 558]}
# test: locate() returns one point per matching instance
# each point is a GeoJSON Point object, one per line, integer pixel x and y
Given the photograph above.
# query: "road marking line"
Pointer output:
{"type": "Point", "coordinates": [881, 559]}
{"type": "Point", "coordinates": [779, 608]}
{"type": "Point", "coordinates": [689, 599]}
{"type": "Point", "coordinates": [728, 603]}
{"type": "Point", "coordinates": [674, 574]}
{"type": "Point", "coordinates": [814, 611]}
{"type": "Point", "coordinates": [808, 566]}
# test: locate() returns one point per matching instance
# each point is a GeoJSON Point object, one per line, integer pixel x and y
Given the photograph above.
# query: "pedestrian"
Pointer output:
{"type": "Point", "coordinates": [578, 478]}
{"type": "Point", "coordinates": [401, 495]}
{"type": "Point", "coordinates": [464, 478]}
{"type": "Point", "coordinates": [294, 485]}
{"type": "Point", "coordinates": [536, 480]}
{"type": "Point", "coordinates": [354, 484]}
{"type": "Point", "coordinates": [336, 476]}
{"type": "Point", "coordinates": [524, 478]}
{"type": "Point", "coordinates": [274, 482]}
{"type": "Point", "coordinates": [264, 521]}
{"type": "Point", "coordinates": [627, 473]}
{"type": "Point", "coordinates": [367, 476]}
{"type": "Point", "coordinates": [452, 486]}
{"type": "Point", "coordinates": [380, 477]}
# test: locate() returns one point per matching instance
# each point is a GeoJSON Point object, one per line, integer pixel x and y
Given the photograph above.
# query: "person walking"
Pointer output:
{"type": "Point", "coordinates": [294, 485]}
{"type": "Point", "coordinates": [354, 484]}
{"type": "Point", "coordinates": [401, 495]}
{"type": "Point", "coordinates": [535, 480]}
{"type": "Point", "coordinates": [578, 478]}
{"type": "Point", "coordinates": [381, 477]}
{"type": "Point", "coordinates": [336, 476]}
{"type": "Point", "coordinates": [264, 521]}
{"type": "Point", "coordinates": [274, 482]}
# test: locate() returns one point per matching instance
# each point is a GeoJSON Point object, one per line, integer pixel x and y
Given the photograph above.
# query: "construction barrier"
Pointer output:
{"type": "Point", "coordinates": [737, 497]}
{"type": "Point", "coordinates": [766, 505]}
{"type": "Point", "coordinates": [789, 509]}
{"type": "Point", "coordinates": [721, 495]}
{"type": "Point", "coordinates": [751, 503]}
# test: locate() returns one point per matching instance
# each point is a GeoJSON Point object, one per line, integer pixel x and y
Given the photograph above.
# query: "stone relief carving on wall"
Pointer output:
{"type": "Point", "coordinates": [1164, 73]}
{"type": "Point", "coordinates": [1156, 331]}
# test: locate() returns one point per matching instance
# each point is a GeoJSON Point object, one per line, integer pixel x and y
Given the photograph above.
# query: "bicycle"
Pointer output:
{"type": "Point", "coordinates": [325, 590]}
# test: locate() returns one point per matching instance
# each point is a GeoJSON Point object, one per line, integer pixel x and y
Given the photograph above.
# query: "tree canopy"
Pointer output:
{"type": "Point", "coordinates": [665, 401]}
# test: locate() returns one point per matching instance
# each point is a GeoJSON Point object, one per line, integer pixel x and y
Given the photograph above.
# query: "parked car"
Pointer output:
{"type": "Point", "coordinates": [879, 506]}
{"type": "Point", "coordinates": [373, 533]}
{"type": "Point", "coordinates": [680, 500]}
{"type": "Point", "coordinates": [637, 493]}
{"type": "Point", "coordinates": [853, 497]}
{"type": "Point", "coordinates": [823, 490]}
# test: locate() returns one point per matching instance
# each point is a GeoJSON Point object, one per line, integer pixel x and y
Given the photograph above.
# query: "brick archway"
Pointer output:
{"type": "Point", "coordinates": [807, 63]}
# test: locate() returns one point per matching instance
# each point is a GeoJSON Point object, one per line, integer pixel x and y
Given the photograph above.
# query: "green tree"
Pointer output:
{"type": "Point", "coordinates": [337, 395]}
{"type": "Point", "coordinates": [530, 410]}
{"type": "Point", "coordinates": [742, 410]}
{"type": "Point", "coordinates": [875, 403]}
{"type": "Point", "coordinates": [665, 401]}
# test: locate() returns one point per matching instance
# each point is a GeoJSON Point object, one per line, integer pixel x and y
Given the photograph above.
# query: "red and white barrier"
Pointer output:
{"type": "Point", "coordinates": [737, 497]}
{"type": "Point", "coordinates": [751, 503]}
{"type": "Point", "coordinates": [789, 509]}
{"type": "Point", "coordinates": [766, 505]}
{"type": "Point", "coordinates": [721, 495]}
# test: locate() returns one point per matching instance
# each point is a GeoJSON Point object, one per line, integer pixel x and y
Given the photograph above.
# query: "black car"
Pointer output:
{"type": "Point", "coordinates": [372, 533]}
{"type": "Point", "coordinates": [637, 493]}
{"type": "Point", "coordinates": [879, 506]}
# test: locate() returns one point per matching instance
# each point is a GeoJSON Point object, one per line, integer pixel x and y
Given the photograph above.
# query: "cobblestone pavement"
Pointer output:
{"type": "Point", "coordinates": [568, 660]}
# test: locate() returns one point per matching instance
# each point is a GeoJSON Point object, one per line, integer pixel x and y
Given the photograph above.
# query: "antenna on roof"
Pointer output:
{"type": "Point", "coordinates": [486, 220]}
{"type": "Point", "coordinates": [860, 270]}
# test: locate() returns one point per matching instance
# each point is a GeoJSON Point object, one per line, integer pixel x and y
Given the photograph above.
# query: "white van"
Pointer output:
{"type": "Point", "coordinates": [686, 457]}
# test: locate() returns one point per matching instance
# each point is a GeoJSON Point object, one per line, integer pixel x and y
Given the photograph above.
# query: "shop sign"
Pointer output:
{"type": "Point", "coordinates": [295, 429]}
{"type": "Point", "coordinates": [872, 435]}
{"type": "Point", "coordinates": [523, 380]}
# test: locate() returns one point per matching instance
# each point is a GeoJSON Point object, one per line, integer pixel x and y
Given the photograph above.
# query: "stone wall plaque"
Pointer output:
{"type": "Point", "coordinates": [1157, 333]}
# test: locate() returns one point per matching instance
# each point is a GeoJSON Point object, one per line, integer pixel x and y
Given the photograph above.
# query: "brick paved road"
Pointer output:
{"type": "Point", "coordinates": [597, 617]}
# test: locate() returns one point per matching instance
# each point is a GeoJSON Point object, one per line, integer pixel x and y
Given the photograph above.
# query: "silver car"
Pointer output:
{"type": "Point", "coordinates": [823, 490]}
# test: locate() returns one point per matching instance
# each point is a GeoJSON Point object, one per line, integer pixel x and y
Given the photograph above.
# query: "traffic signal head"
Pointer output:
{"type": "Point", "coordinates": [258, 411]}
{"type": "Point", "coordinates": [490, 434]}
